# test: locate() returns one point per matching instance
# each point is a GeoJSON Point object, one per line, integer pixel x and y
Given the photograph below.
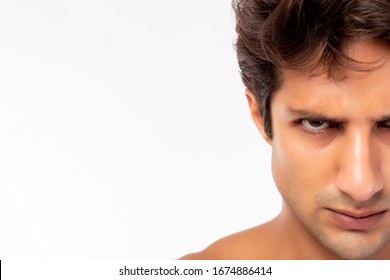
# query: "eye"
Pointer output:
{"type": "Point", "coordinates": [315, 125]}
{"type": "Point", "coordinates": [384, 124]}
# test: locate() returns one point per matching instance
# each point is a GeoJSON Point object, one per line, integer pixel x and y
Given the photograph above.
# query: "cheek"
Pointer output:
{"type": "Point", "coordinates": [384, 167]}
{"type": "Point", "coordinates": [300, 172]}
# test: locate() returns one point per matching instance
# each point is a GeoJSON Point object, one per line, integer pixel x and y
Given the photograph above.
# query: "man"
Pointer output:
{"type": "Point", "coordinates": [317, 74]}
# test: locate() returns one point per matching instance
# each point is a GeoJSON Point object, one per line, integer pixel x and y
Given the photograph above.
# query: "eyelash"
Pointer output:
{"type": "Point", "coordinates": [333, 125]}
{"type": "Point", "coordinates": [384, 126]}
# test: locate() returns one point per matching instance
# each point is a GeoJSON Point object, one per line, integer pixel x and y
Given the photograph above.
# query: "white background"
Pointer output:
{"type": "Point", "coordinates": [124, 130]}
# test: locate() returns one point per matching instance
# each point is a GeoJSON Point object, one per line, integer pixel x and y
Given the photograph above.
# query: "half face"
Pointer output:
{"type": "Point", "coordinates": [331, 155]}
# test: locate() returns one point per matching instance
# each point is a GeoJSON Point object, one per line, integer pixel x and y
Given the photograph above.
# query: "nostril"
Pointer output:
{"type": "Point", "coordinates": [360, 186]}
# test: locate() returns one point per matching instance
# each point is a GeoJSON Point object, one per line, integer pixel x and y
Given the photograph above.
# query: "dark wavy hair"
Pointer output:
{"type": "Point", "coordinates": [310, 35]}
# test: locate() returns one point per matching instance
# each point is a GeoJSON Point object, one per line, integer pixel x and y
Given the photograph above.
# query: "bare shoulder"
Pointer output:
{"type": "Point", "coordinates": [255, 243]}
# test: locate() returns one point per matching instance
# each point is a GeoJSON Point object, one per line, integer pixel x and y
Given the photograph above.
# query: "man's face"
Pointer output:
{"type": "Point", "coordinates": [331, 154]}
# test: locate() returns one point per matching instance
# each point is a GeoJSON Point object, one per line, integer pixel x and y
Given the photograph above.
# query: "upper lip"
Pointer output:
{"type": "Point", "coordinates": [358, 213]}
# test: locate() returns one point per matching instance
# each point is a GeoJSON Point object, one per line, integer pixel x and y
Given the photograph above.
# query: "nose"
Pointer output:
{"type": "Point", "coordinates": [359, 173]}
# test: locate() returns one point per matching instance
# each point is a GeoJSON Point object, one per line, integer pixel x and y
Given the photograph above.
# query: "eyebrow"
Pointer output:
{"type": "Point", "coordinates": [309, 114]}
{"type": "Point", "coordinates": [385, 117]}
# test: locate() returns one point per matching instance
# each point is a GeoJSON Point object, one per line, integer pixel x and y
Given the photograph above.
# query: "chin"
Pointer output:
{"type": "Point", "coordinates": [352, 247]}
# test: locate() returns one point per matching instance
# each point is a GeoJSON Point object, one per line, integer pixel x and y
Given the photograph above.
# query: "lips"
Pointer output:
{"type": "Point", "coordinates": [359, 220]}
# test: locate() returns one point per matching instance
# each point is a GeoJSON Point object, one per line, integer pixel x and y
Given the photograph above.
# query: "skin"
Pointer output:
{"type": "Point", "coordinates": [330, 155]}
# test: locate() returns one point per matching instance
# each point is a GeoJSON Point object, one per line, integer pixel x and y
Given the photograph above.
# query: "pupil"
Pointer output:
{"type": "Point", "coordinates": [316, 123]}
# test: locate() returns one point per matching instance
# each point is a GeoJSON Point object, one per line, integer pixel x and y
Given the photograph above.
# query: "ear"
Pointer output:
{"type": "Point", "coordinates": [256, 116]}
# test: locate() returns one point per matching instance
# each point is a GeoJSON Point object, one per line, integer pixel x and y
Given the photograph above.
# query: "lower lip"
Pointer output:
{"type": "Point", "coordinates": [354, 223]}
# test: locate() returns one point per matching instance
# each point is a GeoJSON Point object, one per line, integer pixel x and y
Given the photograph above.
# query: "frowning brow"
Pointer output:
{"type": "Point", "coordinates": [382, 118]}
{"type": "Point", "coordinates": [311, 114]}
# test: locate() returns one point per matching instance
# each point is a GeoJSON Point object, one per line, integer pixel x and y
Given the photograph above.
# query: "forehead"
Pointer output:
{"type": "Point", "coordinates": [361, 90]}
